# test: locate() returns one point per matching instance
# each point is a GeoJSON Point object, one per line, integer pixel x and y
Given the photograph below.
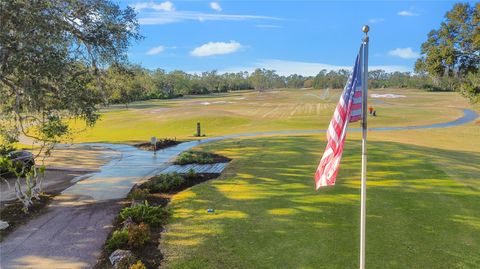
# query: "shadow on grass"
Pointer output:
{"type": "Point", "coordinates": [422, 209]}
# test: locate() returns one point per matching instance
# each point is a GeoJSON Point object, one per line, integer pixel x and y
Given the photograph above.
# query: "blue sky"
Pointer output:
{"type": "Point", "coordinates": [287, 36]}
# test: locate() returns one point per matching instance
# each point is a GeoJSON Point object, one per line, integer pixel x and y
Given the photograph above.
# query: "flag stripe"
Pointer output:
{"type": "Point", "coordinates": [348, 109]}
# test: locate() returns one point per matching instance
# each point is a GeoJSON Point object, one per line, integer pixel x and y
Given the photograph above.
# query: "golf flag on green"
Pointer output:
{"type": "Point", "coordinates": [349, 109]}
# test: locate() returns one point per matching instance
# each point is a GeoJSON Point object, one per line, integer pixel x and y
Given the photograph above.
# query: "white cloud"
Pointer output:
{"type": "Point", "coordinates": [178, 16]}
{"type": "Point", "coordinates": [405, 53]}
{"type": "Point", "coordinates": [165, 6]}
{"type": "Point", "coordinates": [285, 68]}
{"type": "Point", "coordinates": [164, 13]}
{"type": "Point", "coordinates": [156, 50]}
{"type": "Point", "coordinates": [215, 6]}
{"type": "Point", "coordinates": [376, 20]}
{"type": "Point", "coordinates": [407, 13]}
{"type": "Point", "coordinates": [216, 48]}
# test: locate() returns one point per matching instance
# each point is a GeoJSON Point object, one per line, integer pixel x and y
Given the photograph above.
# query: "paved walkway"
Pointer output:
{"type": "Point", "coordinates": [215, 168]}
{"type": "Point", "coordinates": [71, 233]}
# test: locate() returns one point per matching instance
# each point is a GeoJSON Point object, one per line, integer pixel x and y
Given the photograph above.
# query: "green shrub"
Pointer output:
{"type": "Point", "coordinates": [189, 157]}
{"type": "Point", "coordinates": [153, 215]}
{"type": "Point", "coordinates": [138, 235]}
{"type": "Point", "coordinates": [5, 149]}
{"type": "Point", "coordinates": [139, 194]}
{"type": "Point", "coordinates": [119, 239]}
{"type": "Point", "coordinates": [138, 265]}
{"type": "Point", "coordinates": [191, 175]}
{"type": "Point", "coordinates": [165, 182]}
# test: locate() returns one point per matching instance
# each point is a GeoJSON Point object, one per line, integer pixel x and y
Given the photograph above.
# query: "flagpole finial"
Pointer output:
{"type": "Point", "coordinates": [365, 29]}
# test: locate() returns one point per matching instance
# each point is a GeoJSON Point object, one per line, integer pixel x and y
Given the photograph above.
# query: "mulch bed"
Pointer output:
{"type": "Point", "coordinates": [150, 253]}
{"type": "Point", "coordinates": [219, 158]}
{"type": "Point", "coordinates": [12, 213]}
{"type": "Point", "coordinates": [161, 144]}
{"type": "Point", "coordinates": [189, 182]}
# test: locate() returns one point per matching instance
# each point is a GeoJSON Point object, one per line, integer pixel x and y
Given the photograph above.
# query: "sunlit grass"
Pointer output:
{"type": "Point", "coordinates": [242, 112]}
{"type": "Point", "coordinates": [422, 209]}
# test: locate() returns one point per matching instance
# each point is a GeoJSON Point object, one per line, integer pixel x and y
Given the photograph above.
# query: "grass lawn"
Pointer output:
{"type": "Point", "coordinates": [248, 111]}
{"type": "Point", "coordinates": [423, 185]}
{"type": "Point", "coordinates": [422, 209]}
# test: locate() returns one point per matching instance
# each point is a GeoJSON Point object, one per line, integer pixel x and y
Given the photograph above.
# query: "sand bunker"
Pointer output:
{"type": "Point", "coordinates": [387, 95]}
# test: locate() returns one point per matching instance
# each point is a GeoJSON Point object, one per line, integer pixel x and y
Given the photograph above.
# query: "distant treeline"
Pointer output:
{"type": "Point", "coordinates": [126, 84]}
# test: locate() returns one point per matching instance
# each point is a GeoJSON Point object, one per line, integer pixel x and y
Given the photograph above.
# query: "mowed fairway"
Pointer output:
{"type": "Point", "coordinates": [423, 190]}
{"type": "Point", "coordinates": [249, 111]}
{"type": "Point", "coordinates": [422, 209]}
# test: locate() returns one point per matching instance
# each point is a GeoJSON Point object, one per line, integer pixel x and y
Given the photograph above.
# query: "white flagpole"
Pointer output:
{"type": "Point", "coordinates": [363, 205]}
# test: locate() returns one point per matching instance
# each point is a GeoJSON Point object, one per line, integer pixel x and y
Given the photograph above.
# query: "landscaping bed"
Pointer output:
{"type": "Point", "coordinates": [161, 144]}
{"type": "Point", "coordinates": [200, 157]}
{"type": "Point", "coordinates": [12, 212]}
{"type": "Point", "coordinates": [139, 225]}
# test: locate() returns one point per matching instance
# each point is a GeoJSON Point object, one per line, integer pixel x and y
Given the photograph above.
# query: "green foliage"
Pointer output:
{"type": "Point", "coordinates": [51, 54]}
{"type": "Point", "coordinates": [470, 87]}
{"type": "Point", "coordinates": [153, 215]}
{"type": "Point", "coordinates": [138, 265]}
{"type": "Point", "coordinates": [119, 239]}
{"type": "Point", "coordinates": [190, 175]}
{"type": "Point", "coordinates": [165, 182]}
{"type": "Point", "coordinates": [134, 236]}
{"type": "Point", "coordinates": [138, 235]}
{"type": "Point", "coordinates": [125, 263]}
{"type": "Point", "coordinates": [189, 157]}
{"type": "Point", "coordinates": [263, 79]}
{"type": "Point", "coordinates": [139, 194]}
{"type": "Point", "coordinates": [452, 51]}
{"type": "Point", "coordinates": [5, 149]}
{"type": "Point", "coordinates": [454, 47]}
{"type": "Point", "coordinates": [53, 128]}
{"type": "Point", "coordinates": [376, 79]}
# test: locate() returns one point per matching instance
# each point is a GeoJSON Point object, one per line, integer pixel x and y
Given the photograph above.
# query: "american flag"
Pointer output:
{"type": "Point", "coordinates": [349, 109]}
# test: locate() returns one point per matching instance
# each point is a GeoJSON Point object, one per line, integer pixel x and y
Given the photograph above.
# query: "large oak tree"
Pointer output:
{"type": "Point", "coordinates": [52, 54]}
{"type": "Point", "coordinates": [453, 51]}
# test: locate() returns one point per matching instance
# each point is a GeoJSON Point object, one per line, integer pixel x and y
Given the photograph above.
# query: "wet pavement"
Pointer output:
{"type": "Point", "coordinates": [215, 168]}
{"type": "Point", "coordinates": [72, 232]}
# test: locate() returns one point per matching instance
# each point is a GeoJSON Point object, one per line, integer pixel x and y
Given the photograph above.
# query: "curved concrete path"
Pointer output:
{"type": "Point", "coordinates": [72, 231]}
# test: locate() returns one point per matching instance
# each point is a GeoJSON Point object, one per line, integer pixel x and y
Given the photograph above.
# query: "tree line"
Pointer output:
{"type": "Point", "coordinates": [128, 83]}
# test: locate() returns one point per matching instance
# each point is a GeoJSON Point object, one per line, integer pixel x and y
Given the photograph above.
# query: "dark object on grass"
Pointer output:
{"type": "Point", "coordinates": [210, 210]}
{"type": "Point", "coordinates": [374, 113]}
{"type": "Point", "coordinates": [199, 131]}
